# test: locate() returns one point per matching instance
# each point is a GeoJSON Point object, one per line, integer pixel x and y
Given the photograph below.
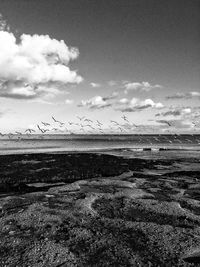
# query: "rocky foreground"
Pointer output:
{"type": "Point", "coordinates": [98, 210]}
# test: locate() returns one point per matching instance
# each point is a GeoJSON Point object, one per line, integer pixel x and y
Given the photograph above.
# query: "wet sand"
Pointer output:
{"type": "Point", "coordinates": [88, 209]}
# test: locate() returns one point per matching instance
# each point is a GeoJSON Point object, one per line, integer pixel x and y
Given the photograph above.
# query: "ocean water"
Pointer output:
{"type": "Point", "coordinates": [69, 143]}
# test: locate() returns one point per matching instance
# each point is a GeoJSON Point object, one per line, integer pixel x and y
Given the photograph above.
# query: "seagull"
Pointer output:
{"type": "Point", "coordinates": [99, 123]}
{"type": "Point", "coordinates": [125, 118]}
{"type": "Point", "coordinates": [91, 127]}
{"type": "Point", "coordinates": [54, 119]}
{"type": "Point", "coordinates": [88, 120]}
{"type": "Point", "coordinates": [80, 118]}
{"type": "Point", "coordinates": [114, 122]}
{"type": "Point", "coordinates": [45, 130]}
{"type": "Point", "coordinates": [41, 130]}
{"type": "Point", "coordinates": [120, 129]}
{"type": "Point", "coordinates": [61, 123]}
{"type": "Point", "coordinates": [135, 125]}
{"type": "Point", "coordinates": [55, 129]}
{"type": "Point", "coordinates": [167, 122]}
{"type": "Point", "coordinates": [29, 130]}
{"type": "Point", "coordinates": [45, 123]}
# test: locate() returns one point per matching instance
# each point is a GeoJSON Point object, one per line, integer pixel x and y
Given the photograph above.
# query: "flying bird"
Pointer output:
{"type": "Point", "coordinates": [120, 128]}
{"type": "Point", "coordinates": [88, 120]}
{"type": "Point", "coordinates": [41, 130]}
{"type": "Point", "coordinates": [55, 129]}
{"type": "Point", "coordinates": [99, 123]}
{"type": "Point", "coordinates": [125, 118]}
{"type": "Point", "coordinates": [61, 123]}
{"type": "Point", "coordinates": [115, 122]}
{"type": "Point", "coordinates": [45, 123]}
{"type": "Point", "coordinates": [167, 122]}
{"type": "Point", "coordinates": [80, 118]}
{"type": "Point", "coordinates": [54, 119]}
{"type": "Point", "coordinates": [29, 130]}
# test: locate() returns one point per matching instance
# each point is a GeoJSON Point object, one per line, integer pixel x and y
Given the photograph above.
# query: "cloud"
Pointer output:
{"type": "Point", "coordinates": [35, 66]}
{"type": "Point", "coordinates": [112, 96]}
{"type": "Point", "coordinates": [143, 86]}
{"type": "Point", "coordinates": [112, 83]}
{"type": "Point", "coordinates": [69, 101]}
{"type": "Point", "coordinates": [97, 102]}
{"type": "Point", "coordinates": [136, 104]}
{"type": "Point", "coordinates": [183, 95]}
{"type": "Point", "coordinates": [95, 85]}
{"type": "Point", "coordinates": [194, 94]}
{"type": "Point", "coordinates": [175, 112]}
{"type": "Point", "coordinates": [123, 101]}
{"type": "Point", "coordinates": [3, 24]}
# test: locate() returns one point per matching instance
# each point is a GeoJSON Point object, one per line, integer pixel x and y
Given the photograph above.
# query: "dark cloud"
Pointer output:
{"type": "Point", "coordinates": [114, 95]}
{"type": "Point", "coordinates": [183, 95]}
{"type": "Point", "coordinates": [175, 112]}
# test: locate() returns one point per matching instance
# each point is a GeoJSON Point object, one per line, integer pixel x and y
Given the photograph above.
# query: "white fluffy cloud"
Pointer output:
{"type": "Point", "coordinates": [136, 104]}
{"type": "Point", "coordinates": [34, 66]}
{"type": "Point", "coordinates": [96, 102]}
{"type": "Point", "coordinates": [143, 86]}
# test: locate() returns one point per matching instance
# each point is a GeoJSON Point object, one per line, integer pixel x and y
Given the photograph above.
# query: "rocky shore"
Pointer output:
{"type": "Point", "coordinates": [87, 209]}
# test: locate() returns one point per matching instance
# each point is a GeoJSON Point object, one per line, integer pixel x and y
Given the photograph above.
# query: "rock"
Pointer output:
{"type": "Point", "coordinates": [193, 257]}
{"type": "Point", "coordinates": [11, 233]}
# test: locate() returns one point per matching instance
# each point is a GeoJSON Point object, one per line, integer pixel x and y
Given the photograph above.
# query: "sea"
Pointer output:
{"type": "Point", "coordinates": [134, 144]}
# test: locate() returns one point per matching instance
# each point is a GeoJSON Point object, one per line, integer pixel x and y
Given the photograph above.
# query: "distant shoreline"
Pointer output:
{"type": "Point", "coordinates": [59, 150]}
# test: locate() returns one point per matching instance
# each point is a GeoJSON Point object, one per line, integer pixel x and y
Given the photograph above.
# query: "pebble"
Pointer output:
{"type": "Point", "coordinates": [11, 232]}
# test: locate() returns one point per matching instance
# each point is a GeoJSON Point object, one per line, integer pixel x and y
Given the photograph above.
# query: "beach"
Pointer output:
{"type": "Point", "coordinates": [108, 208]}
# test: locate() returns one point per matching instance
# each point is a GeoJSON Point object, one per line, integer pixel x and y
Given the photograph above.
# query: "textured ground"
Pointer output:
{"type": "Point", "coordinates": [145, 213]}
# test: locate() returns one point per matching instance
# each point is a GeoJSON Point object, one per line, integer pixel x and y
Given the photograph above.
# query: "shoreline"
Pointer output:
{"type": "Point", "coordinates": [59, 150]}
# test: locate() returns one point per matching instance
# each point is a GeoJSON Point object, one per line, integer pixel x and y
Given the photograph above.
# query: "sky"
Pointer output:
{"type": "Point", "coordinates": [100, 60]}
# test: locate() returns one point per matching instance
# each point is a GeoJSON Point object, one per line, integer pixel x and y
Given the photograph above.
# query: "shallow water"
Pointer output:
{"type": "Point", "coordinates": [62, 143]}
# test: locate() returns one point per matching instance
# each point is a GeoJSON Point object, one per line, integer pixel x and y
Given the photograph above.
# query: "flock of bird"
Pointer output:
{"type": "Point", "coordinates": [88, 126]}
